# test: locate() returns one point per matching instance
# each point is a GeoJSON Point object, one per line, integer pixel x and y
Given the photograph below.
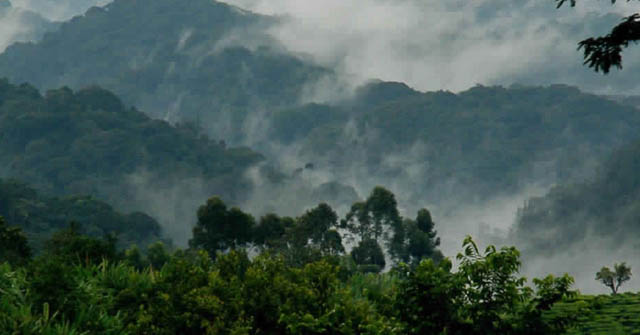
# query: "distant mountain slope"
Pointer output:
{"type": "Point", "coordinates": [195, 60]}
{"type": "Point", "coordinates": [603, 211]}
{"type": "Point", "coordinates": [212, 64]}
{"type": "Point", "coordinates": [40, 216]}
{"type": "Point", "coordinates": [87, 142]}
{"type": "Point", "coordinates": [441, 145]}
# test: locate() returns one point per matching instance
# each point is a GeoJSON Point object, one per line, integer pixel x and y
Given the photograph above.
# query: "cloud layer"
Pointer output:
{"type": "Point", "coordinates": [452, 45]}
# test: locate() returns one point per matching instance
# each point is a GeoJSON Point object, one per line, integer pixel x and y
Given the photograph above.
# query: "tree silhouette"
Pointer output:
{"type": "Point", "coordinates": [220, 228]}
{"type": "Point", "coordinates": [614, 279]}
{"type": "Point", "coordinates": [601, 53]}
{"type": "Point", "coordinates": [13, 244]}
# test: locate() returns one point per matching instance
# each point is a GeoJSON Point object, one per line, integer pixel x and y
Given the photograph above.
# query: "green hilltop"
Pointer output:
{"type": "Point", "coordinates": [602, 314]}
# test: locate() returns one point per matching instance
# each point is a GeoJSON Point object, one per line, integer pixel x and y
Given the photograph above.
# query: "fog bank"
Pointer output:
{"type": "Point", "coordinates": [453, 45]}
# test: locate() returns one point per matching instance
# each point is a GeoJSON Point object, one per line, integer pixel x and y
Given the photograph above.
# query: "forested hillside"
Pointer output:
{"type": "Point", "coordinates": [215, 66]}
{"type": "Point", "coordinates": [39, 217]}
{"type": "Point", "coordinates": [87, 142]}
{"type": "Point", "coordinates": [605, 208]}
{"type": "Point", "coordinates": [477, 143]}
{"type": "Point", "coordinates": [197, 60]}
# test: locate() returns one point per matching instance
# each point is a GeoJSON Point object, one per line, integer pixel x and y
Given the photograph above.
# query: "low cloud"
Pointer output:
{"type": "Point", "coordinates": [452, 45]}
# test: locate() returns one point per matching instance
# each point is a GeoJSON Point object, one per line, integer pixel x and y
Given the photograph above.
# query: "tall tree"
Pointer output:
{"type": "Point", "coordinates": [614, 279]}
{"type": "Point", "coordinates": [601, 53]}
{"type": "Point", "coordinates": [374, 218]}
{"type": "Point", "coordinates": [375, 221]}
{"type": "Point", "coordinates": [220, 229]}
{"type": "Point", "coordinates": [421, 241]}
{"type": "Point", "coordinates": [319, 226]}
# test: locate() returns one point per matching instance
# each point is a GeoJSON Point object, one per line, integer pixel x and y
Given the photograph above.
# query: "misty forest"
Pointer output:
{"type": "Point", "coordinates": [319, 167]}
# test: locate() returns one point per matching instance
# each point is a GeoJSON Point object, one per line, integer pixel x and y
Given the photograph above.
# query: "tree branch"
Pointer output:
{"type": "Point", "coordinates": [602, 53]}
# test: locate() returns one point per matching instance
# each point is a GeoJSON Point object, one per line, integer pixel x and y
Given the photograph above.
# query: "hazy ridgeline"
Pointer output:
{"type": "Point", "coordinates": [233, 103]}
{"type": "Point", "coordinates": [20, 25]}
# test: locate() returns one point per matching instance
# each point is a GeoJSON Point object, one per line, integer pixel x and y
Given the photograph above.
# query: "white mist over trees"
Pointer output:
{"type": "Point", "coordinates": [452, 45]}
{"type": "Point", "coordinates": [292, 81]}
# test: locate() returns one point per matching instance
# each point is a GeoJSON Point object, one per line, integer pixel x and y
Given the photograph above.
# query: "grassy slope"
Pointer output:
{"type": "Point", "coordinates": [604, 314]}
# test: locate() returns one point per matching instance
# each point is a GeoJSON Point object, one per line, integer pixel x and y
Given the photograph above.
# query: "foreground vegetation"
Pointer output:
{"type": "Point", "coordinates": [284, 275]}
{"type": "Point", "coordinates": [300, 281]}
{"type": "Point", "coordinates": [83, 288]}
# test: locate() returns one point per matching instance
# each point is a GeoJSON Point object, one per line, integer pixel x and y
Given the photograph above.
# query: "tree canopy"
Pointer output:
{"type": "Point", "coordinates": [219, 229]}
{"type": "Point", "coordinates": [614, 279]}
{"type": "Point", "coordinates": [82, 286]}
{"type": "Point", "coordinates": [39, 216]}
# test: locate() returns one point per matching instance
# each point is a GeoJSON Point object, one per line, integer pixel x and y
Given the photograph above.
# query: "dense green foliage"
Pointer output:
{"type": "Point", "coordinates": [72, 265]}
{"type": "Point", "coordinates": [602, 314]}
{"type": "Point", "coordinates": [219, 229]}
{"type": "Point", "coordinates": [87, 142]}
{"type": "Point", "coordinates": [608, 206]}
{"type": "Point", "coordinates": [83, 285]}
{"type": "Point", "coordinates": [40, 216]}
{"type": "Point", "coordinates": [374, 224]}
{"type": "Point", "coordinates": [80, 142]}
{"type": "Point", "coordinates": [485, 296]}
